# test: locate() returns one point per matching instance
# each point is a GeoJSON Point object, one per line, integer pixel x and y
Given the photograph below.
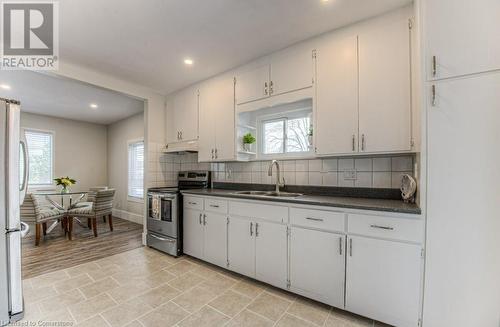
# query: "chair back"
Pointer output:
{"type": "Point", "coordinates": [103, 202]}
{"type": "Point", "coordinates": [28, 213]}
{"type": "Point", "coordinates": [93, 191]}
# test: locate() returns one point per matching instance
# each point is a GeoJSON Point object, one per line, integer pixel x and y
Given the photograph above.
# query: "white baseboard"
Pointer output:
{"type": "Point", "coordinates": [133, 217]}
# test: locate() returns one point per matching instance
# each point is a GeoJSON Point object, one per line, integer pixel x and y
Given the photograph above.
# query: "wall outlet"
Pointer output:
{"type": "Point", "coordinates": [350, 174]}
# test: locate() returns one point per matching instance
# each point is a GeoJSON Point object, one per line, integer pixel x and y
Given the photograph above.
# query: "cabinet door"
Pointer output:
{"type": "Point", "coordinates": [215, 240]}
{"type": "Point", "coordinates": [463, 36]}
{"type": "Point", "coordinates": [186, 113]}
{"type": "Point", "coordinates": [291, 70]}
{"type": "Point", "coordinates": [336, 110]}
{"type": "Point", "coordinates": [317, 265]}
{"type": "Point", "coordinates": [207, 112]}
{"type": "Point", "coordinates": [385, 88]}
{"type": "Point", "coordinates": [172, 130]}
{"type": "Point", "coordinates": [223, 102]}
{"type": "Point", "coordinates": [241, 246]}
{"type": "Point", "coordinates": [383, 280]}
{"type": "Point", "coordinates": [252, 84]}
{"type": "Point", "coordinates": [271, 253]}
{"type": "Point", "coordinates": [193, 233]}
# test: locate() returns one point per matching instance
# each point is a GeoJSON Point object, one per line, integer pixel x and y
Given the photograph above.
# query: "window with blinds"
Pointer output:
{"type": "Point", "coordinates": [136, 169]}
{"type": "Point", "coordinates": [40, 157]}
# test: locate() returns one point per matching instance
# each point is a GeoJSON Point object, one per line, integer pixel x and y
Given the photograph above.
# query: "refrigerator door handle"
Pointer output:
{"type": "Point", "coordinates": [25, 229]}
{"type": "Point", "coordinates": [24, 186]}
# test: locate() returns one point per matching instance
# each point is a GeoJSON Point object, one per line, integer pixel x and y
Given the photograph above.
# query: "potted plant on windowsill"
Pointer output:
{"type": "Point", "coordinates": [65, 182]}
{"type": "Point", "coordinates": [248, 140]}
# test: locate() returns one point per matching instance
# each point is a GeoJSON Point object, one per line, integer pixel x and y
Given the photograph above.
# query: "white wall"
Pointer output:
{"type": "Point", "coordinates": [119, 134]}
{"type": "Point", "coordinates": [80, 148]}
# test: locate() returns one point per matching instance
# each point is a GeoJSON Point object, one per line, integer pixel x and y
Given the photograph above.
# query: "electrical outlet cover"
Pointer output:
{"type": "Point", "coordinates": [350, 174]}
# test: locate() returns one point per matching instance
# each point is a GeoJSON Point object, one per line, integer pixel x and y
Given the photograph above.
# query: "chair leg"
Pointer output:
{"type": "Point", "coordinates": [44, 228]}
{"type": "Point", "coordinates": [110, 219]}
{"type": "Point", "coordinates": [89, 223]}
{"type": "Point", "coordinates": [104, 218]}
{"type": "Point", "coordinates": [37, 234]}
{"type": "Point", "coordinates": [94, 226]}
{"type": "Point", "coordinates": [70, 228]}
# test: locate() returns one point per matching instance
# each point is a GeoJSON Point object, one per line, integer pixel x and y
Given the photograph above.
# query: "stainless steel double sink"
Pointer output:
{"type": "Point", "coordinates": [269, 194]}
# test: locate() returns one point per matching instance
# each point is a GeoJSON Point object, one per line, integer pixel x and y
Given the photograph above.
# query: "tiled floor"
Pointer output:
{"type": "Point", "coordinates": [143, 287]}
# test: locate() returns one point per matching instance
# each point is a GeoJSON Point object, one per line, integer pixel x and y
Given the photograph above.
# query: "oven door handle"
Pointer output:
{"type": "Point", "coordinates": [163, 239]}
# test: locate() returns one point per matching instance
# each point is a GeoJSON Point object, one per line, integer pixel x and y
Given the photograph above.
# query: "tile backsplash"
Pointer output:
{"type": "Point", "coordinates": [376, 172]}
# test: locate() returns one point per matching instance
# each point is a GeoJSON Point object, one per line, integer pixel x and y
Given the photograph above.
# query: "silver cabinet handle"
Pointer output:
{"type": "Point", "coordinates": [433, 95]}
{"type": "Point", "coordinates": [363, 142]}
{"type": "Point", "coordinates": [251, 229]}
{"type": "Point", "coordinates": [350, 247]}
{"type": "Point", "coordinates": [314, 219]}
{"type": "Point", "coordinates": [382, 227]}
{"type": "Point", "coordinates": [271, 90]}
{"type": "Point", "coordinates": [434, 66]}
{"type": "Point", "coordinates": [200, 218]}
{"type": "Point", "coordinates": [256, 229]}
{"type": "Point", "coordinates": [162, 239]}
{"type": "Point", "coordinates": [192, 203]}
{"type": "Point", "coordinates": [340, 245]}
{"type": "Point", "coordinates": [25, 229]}
{"type": "Point", "coordinates": [214, 206]}
{"type": "Point", "coordinates": [353, 142]}
{"type": "Point", "coordinates": [204, 220]}
{"type": "Point", "coordinates": [265, 88]}
{"type": "Point", "coordinates": [216, 156]}
{"type": "Point", "coordinates": [212, 153]}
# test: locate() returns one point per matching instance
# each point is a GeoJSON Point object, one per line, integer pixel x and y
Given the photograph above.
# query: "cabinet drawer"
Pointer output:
{"type": "Point", "coordinates": [402, 229]}
{"type": "Point", "coordinates": [326, 220]}
{"type": "Point", "coordinates": [192, 202]}
{"type": "Point", "coordinates": [215, 205]}
{"type": "Point", "coordinates": [257, 210]}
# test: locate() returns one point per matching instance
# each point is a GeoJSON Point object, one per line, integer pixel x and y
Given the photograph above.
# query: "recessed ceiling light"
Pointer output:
{"type": "Point", "coordinates": [5, 86]}
{"type": "Point", "coordinates": [93, 106]}
{"type": "Point", "coordinates": [188, 61]}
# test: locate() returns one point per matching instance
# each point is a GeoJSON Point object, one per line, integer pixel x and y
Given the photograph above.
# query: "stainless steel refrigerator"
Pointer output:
{"type": "Point", "coordinates": [13, 184]}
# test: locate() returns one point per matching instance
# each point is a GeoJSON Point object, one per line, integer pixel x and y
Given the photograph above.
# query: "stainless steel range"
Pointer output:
{"type": "Point", "coordinates": [164, 222]}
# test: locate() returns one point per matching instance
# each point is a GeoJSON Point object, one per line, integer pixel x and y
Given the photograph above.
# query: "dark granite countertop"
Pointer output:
{"type": "Point", "coordinates": [388, 205]}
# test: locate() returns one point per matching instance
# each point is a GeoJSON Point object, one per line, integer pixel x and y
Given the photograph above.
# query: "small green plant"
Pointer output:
{"type": "Point", "coordinates": [248, 138]}
{"type": "Point", "coordinates": [311, 131]}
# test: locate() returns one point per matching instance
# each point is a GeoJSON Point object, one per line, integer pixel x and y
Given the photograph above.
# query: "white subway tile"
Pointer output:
{"type": "Point", "coordinates": [289, 177]}
{"type": "Point", "coordinates": [256, 177]}
{"type": "Point", "coordinates": [302, 178]}
{"type": "Point", "coordinates": [381, 164]}
{"type": "Point", "coordinates": [315, 178]}
{"type": "Point", "coordinates": [346, 164]}
{"type": "Point", "coordinates": [315, 165]}
{"type": "Point", "coordinates": [402, 163]}
{"type": "Point", "coordinates": [363, 164]}
{"type": "Point", "coordinates": [289, 165]}
{"type": "Point", "coordinates": [302, 165]}
{"type": "Point", "coordinates": [330, 179]}
{"type": "Point", "coordinates": [346, 182]}
{"type": "Point", "coordinates": [330, 165]}
{"type": "Point", "coordinates": [363, 179]}
{"type": "Point", "coordinates": [381, 179]}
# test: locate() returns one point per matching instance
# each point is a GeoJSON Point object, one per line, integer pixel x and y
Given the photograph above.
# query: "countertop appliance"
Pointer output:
{"type": "Point", "coordinates": [13, 184]}
{"type": "Point", "coordinates": [164, 223]}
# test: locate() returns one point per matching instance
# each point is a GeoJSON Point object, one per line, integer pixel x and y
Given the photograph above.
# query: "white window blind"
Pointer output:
{"type": "Point", "coordinates": [40, 157]}
{"type": "Point", "coordinates": [136, 169]}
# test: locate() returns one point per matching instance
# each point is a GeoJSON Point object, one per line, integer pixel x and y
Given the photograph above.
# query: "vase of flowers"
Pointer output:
{"type": "Point", "coordinates": [248, 140]}
{"type": "Point", "coordinates": [65, 182]}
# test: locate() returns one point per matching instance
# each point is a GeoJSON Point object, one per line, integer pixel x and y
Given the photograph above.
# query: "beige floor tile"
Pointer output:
{"type": "Point", "coordinates": [219, 283]}
{"type": "Point", "coordinates": [96, 321]}
{"type": "Point", "coordinates": [206, 317]}
{"type": "Point", "coordinates": [195, 298]}
{"type": "Point", "coordinates": [61, 316]}
{"type": "Point", "coordinates": [35, 295]}
{"type": "Point", "coordinates": [269, 306]}
{"type": "Point", "coordinates": [72, 283]}
{"type": "Point", "coordinates": [204, 270]}
{"type": "Point", "coordinates": [230, 303]}
{"type": "Point", "coordinates": [104, 272]}
{"type": "Point", "coordinates": [281, 293]}
{"type": "Point", "coordinates": [340, 318]}
{"type": "Point", "coordinates": [134, 323]}
{"type": "Point", "coordinates": [249, 319]}
{"type": "Point", "coordinates": [166, 315]}
{"type": "Point", "coordinates": [186, 281]}
{"type": "Point", "coordinates": [292, 321]}
{"type": "Point", "coordinates": [49, 279]}
{"type": "Point", "coordinates": [83, 269]}
{"type": "Point", "coordinates": [101, 286]}
{"type": "Point", "coordinates": [159, 295]}
{"type": "Point", "coordinates": [61, 301]}
{"type": "Point", "coordinates": [248, 288]}
{"type": "Point", "coordinates": [91, 307]}
{"type": "Point", "coordinates": [158, 278]}
{"type": "Point", "coordinates": [124, 293]}
{"type": "Point", "coordinates": [126, 312]}
{"type": "Point", "coordinates": [309, 310]}
{"type": "Point", "coordinates": [181, 267]}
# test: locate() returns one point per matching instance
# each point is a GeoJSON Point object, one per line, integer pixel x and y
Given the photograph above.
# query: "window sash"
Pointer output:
{"type": "Point", "coordinates": [40, 146]}
{"type": "Point", "coordinates": [284, 149]}
{"type": "Point", "coordinates": [136, 169]}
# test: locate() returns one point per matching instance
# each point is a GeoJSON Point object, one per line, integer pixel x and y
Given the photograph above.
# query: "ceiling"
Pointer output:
{"type": "Point", "coordinates": [146, 41]}
{"type": "Point", "coordinates": [65, 98]}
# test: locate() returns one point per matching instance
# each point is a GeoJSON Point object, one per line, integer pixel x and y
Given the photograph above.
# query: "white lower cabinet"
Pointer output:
{"type": "Point", "coordinates": [193, 232]}
{"type": "Point", "coordinates": [317, 265]}
{"type": "Point", "coordinates": [271, 253]}
{"type": "Point", "coordinates": [215, 238]}
{"type": "Point", "coordinates": [383, 280]}
{"type": "Point", "coordinates": [241, 246]}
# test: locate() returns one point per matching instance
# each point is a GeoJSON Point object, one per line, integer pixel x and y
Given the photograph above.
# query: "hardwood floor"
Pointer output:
{"type": "Point", "coordinates": [56, 252]}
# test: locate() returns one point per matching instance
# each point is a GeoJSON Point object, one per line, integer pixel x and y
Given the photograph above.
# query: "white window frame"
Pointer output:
{"type": "Point", "coordinates": [43, 187]}
{"type": "Point", "coordinates": [131, 197]}
{"type": "Point", "coordinates": [284, 116]}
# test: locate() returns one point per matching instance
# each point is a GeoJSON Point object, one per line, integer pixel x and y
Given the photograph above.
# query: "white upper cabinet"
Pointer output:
{"type": "Point", "coordinates": [291, 70]}
{"type": "Point", "coordinates": [252, 84]}
{"type": "Point", "coordinates": [217, 130]}
{"type": "Point", "coordinates": [336, 110]}
{"type": "Point", "coordinates": [182, 115]}
{"type": "Point", "coordinates": [385, 88]}
{"type": "Point", "coordinates": [462, 37]}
